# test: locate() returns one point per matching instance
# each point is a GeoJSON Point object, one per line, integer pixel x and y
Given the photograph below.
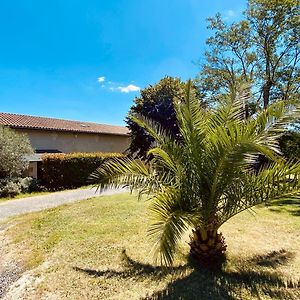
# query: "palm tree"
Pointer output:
{"type": "Point", "coordinates": [210, 175]}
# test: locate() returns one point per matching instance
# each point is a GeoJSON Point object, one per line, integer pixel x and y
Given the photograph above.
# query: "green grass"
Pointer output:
{"type": "Point", "coordinates": [98, 249]}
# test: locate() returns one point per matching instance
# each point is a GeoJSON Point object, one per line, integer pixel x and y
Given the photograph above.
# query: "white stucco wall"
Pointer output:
{"type": "Point", "coordinates": [68, 142]}
{"type": "Point", "coordinates": [32, 169]}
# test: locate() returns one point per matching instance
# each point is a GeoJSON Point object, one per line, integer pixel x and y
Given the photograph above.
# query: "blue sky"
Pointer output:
{"type": "Point", "coordinates": [86, 60]}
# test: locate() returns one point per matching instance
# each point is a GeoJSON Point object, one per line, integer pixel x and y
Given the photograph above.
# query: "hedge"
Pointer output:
{"type": "Point", "coordinates": [62, 171]}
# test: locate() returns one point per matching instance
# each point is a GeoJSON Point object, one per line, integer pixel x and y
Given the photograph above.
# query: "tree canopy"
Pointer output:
{"type": "Point", "coordinates": [261, 50]}
{"type": "Point", "coordinates": [155, 103]}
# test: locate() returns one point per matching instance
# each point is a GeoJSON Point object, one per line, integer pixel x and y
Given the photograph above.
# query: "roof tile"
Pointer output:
{"type": "Point", "coordinates": [32, 122]}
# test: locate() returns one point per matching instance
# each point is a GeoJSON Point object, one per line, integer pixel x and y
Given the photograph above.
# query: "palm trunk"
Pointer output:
{"type": "Point", "coordinates": [207, 246]}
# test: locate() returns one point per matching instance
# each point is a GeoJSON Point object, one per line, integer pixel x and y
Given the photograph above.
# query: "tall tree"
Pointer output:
{"type": "Point", "coordinates": [207, 178]}
{"type": "Point", "coordinates": [156, 103]}
{"type": "Point", "coordinates": [262, 50]}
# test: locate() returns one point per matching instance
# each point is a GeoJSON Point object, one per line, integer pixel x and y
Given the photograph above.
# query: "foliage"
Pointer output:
{"type": "Point", "coordinates": [13, 149]}
{"type": "Point", "coordinates": [61, 171]}
{"type": "Point", "coordinates": [208, 178]}
{"type": "Point", "coordinates": [11, 187]}
{"type": "Point", "coordinates": [261, 50]}
{"type": "Point", "coordinates": [156, 103]}
{"type": "Point", "coordinates": [290, 145]}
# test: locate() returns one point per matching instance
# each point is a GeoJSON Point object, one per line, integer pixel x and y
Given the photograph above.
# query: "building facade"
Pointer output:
{"type": "Point", "coordinates": [49, 135]}
{"type": "Point", "coordinates": [45, 141]}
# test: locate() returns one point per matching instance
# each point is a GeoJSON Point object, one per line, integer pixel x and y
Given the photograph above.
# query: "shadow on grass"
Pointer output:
{"type": "Point", "coordinates": [241, 284]}
{"type": "Point", "coordinates": [291, 206]}
{"type": "Point", "coordinates": [132, 268]}
{"type": "Point", "coordinates": [273, 259]}
{"type": "Point", "coordinates": [248, 279]}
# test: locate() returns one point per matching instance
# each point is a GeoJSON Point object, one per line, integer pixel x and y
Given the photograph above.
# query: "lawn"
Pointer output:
{"type": "Point", "coordinates": [98, 249]}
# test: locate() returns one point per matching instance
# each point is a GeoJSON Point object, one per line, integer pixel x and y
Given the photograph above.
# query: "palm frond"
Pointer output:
{"type": "Point", "coordinates": [170, 221]}
{"type": "Point", "coordinates": [278, 181]}
{"type": "Point", "coordinates": [122, 172]}
{"type": "Point", "coordinates": [232, 110]}
{"type": "Point", "coordinates": [152, 127]}
{"type": "Point", "coordinates": [191, 117]}
{"type": "Point", "coordinates": [273, 121]}
{"type": "Point", "coordinates": [164, 158]}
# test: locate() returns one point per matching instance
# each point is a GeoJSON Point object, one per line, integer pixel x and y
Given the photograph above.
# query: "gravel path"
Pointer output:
{"type": "Point", "coordinates": [24, 205]}
{"type": "Point", "coordinates": [9, 268]}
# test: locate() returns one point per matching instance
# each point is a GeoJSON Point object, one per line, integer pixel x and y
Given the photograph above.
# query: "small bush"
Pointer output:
{"type": "Point", "coordinates": [36, 186]}
{"type": "Point", "coordinates": [62, 171]}
{"type": "Point", "coordinates": [13, 149]}
{"type": "Point", "coordinates": [25, 183]}
{"type": "Point", "coordinates": [11, 187]}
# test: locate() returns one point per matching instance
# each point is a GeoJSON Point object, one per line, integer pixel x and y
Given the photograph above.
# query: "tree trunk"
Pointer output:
{"type": "Point", "coordinates": [207, 246]}
{"type": "Point", "coordinates": [266, 93]}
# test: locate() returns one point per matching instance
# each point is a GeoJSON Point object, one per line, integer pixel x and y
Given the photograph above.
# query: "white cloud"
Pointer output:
{"type": "Point", "coordinates": [101, 79]}
{"type": "Point", "coordinates": [128, 88]}
{"type": "Point", "coordinates": [230, 13]}
{"type": "Point", "coordinates": [117, 87]}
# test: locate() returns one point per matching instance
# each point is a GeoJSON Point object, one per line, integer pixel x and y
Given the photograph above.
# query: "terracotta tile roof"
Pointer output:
{"type": "Point", "coordinates": [31, 122]}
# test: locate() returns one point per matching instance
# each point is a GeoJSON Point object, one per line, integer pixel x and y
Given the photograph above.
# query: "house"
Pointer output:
{"type": "Point", "coordinates": [49, 135]}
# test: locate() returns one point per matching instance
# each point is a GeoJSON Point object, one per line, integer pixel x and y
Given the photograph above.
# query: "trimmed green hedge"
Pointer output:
{"type": "Point", "coordinates": [64, 171]}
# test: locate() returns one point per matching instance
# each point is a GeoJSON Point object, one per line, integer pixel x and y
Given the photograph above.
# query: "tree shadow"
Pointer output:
{"type": "Point", "coordinates": [133, 268]}
{"type": "Point", "coordinates": [273, 259]}
{"type": "Point", "coordinates": [291, 206]}
{"type": "Point", "coordinates": [249, 276]}
{"type": "Point", "coordinates": [191, 283]}
{"type": "Point", "coordinates": [227, 285]}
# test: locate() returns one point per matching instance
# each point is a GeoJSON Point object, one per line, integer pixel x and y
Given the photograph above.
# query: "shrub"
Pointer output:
{"type": "Point", "coordinates": [11, 187]}
{"type": "Point", "coordinates": [36, 186]}
{"type": "Point", "coordinates": [61, 171]}
{"type": "Point", "coordinates": [13, 150]}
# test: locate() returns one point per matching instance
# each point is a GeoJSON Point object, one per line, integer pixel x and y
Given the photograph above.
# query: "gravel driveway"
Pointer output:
{"type": "Point", "coordinates": [24, 205]}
